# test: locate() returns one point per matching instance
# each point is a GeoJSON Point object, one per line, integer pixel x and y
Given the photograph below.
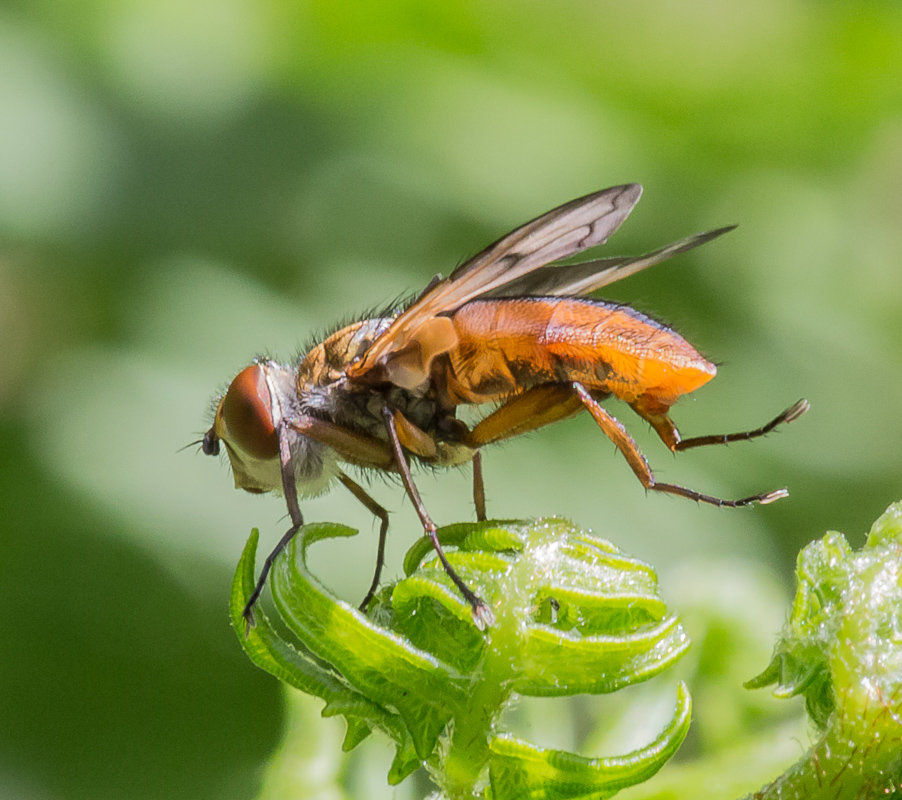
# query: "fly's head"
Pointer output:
{"type": "Point", "coordinates": [254, 414]}
{"type": "Point", "coordinates": [247, 422]}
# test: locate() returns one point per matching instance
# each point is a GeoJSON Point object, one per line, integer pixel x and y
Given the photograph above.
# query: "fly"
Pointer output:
{"type": "Point", "coordinates": [509, 327]}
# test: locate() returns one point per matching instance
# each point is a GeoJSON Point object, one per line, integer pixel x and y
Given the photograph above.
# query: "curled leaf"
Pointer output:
{"type": "Point", "coordinates": [573, 614]}
{"type": "Point", "coordinates": [842, 650]}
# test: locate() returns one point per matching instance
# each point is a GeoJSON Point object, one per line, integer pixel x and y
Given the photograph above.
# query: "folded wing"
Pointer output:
{"type": "Point", "coordinates": [576, 280]}
{"type": "Point", "coordinates": [404, 352]}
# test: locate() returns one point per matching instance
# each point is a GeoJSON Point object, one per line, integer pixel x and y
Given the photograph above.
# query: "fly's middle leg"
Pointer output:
{"type": "Point", "coordinates": [478, 488]}
{"type": "Point", "coordinates": [482, 614]}
{"type": "Point", "coordinates": [381, 514]}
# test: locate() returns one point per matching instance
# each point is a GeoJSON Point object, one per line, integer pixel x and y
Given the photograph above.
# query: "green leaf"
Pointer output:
{"type": "Point", "coordinates": [377, 662]}
{"type": "Point", "coordinates": [573, 614]}
{"type": "Point", "coordinates": [520, 770]}
{"type": "Point", "coordinates": [842, 650]}
{"type": "Point", "coordinates": [300, 668]}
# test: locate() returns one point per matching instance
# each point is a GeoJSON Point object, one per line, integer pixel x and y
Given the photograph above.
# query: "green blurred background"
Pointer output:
{"type": "Point", "coordinates": [185, 185]}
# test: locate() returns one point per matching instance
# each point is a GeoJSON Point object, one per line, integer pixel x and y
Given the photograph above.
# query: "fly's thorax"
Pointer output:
{"type": "Point", "coordinates": [326, 361]}
{"type": "Point", "coordinates": [361, 408]}
{"type": "Point", "coordinates": [325, 391]}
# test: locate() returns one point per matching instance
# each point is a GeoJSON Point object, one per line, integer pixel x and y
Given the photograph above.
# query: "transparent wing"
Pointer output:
{"type": "Point", "coordinates": [574, 280]}
{"type": "Point", "coordinates": [404, 351]}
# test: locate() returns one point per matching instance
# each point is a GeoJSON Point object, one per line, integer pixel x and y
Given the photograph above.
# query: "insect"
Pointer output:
{"type": "Point", "coordinates": [509, 328]}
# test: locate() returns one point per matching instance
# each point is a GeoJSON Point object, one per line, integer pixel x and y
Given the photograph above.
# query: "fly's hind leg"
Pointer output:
{"type": "Point", "coordinates": [526, 412]}
{"type": "Point", "coordinates": [533, 409]}
{"type": "Point", "coordinates": [630, 450]}
{"type": "Point", "coordinates": [670, 434]}
{"type": "Point", "coordinates": [482, 614]}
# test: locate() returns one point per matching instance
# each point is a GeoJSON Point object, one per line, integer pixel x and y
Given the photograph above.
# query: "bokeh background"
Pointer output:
{"type": "Point", "coordinates": [185, 185]}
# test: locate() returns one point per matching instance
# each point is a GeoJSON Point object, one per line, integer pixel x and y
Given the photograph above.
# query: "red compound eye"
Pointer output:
{"type": "Point", "coordinates": [246, 415]}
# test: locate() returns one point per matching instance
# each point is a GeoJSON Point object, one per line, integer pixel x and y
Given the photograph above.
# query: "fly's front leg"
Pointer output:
{"type": "Point", "coordinates": [630, 450]}
{"type": "Point", "coordinates": [353, 447]}
{"type": "Point", "coordinates": [670, 434]}
{"type": "Point", "coordinates": [289, 489]}
{"type": "Point", "coordinates": [482, 614]}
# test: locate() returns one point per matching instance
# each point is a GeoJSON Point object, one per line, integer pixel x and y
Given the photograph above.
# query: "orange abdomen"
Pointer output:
{"type": "Point", "coordinates": [506, 346]}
